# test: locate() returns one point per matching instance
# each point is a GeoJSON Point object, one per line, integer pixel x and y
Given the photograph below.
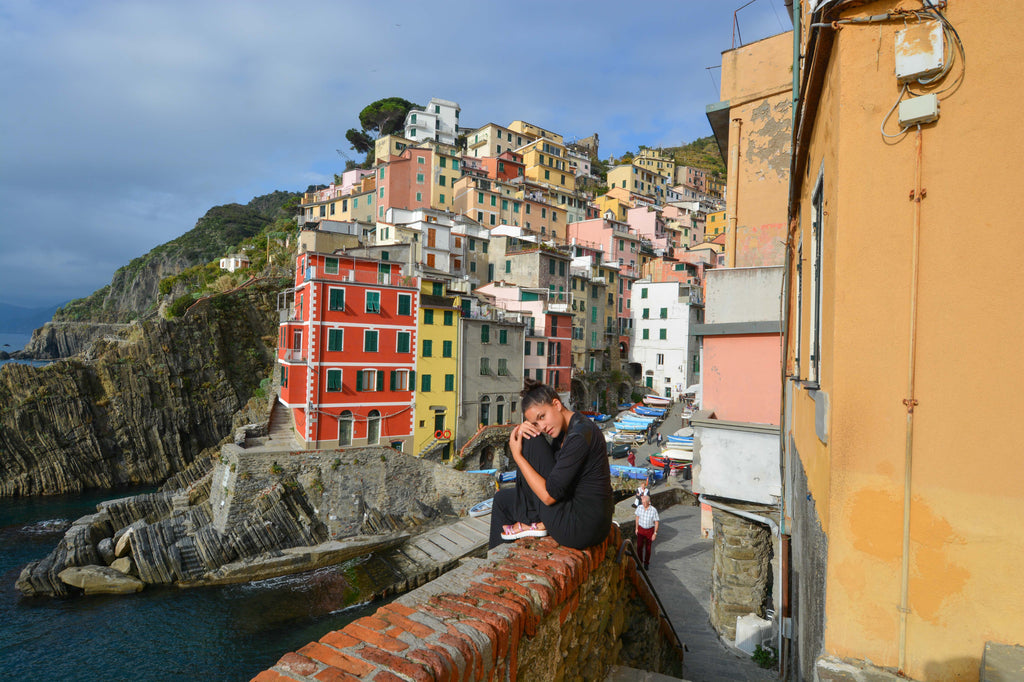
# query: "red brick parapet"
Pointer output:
{"type": "Point", "coordinates": [531, 610]}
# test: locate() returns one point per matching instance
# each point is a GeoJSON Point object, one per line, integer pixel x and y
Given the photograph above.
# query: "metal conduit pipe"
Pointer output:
{"type": "Point", "coordinates": [734, 171]}
{"type": "Point", "coordinates": [910, 402]}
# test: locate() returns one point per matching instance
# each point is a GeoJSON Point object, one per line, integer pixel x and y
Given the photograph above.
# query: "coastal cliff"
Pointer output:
{"type": "Point", "coordinates": [135, 289]}
{"type": "Point", "coordinates": [144, 406]}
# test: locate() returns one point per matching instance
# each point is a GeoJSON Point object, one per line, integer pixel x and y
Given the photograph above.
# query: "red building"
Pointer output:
{"type": "Point", "coordinates": [346, 348]}
{"type": "Point", "coordinates": [506, 167]}
{"type": "Point", "coordinates": [558, 329]}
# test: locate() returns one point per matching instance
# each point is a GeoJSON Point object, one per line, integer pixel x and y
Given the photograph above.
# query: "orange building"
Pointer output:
{"type": "Point", "coordinates": [902, 393]}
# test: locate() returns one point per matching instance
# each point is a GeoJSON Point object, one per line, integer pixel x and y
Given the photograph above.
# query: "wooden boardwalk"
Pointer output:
{"type": "Point", "coordinates": [428, 555]}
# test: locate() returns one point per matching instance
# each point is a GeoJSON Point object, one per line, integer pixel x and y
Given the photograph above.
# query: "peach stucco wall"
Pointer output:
{"type": "Point", "coordinates": [741, 380]}
{"type": "Point", "coordinates": [966, 540]}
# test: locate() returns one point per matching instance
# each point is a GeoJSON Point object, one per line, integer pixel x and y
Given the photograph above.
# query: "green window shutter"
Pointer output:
{"type": "Point", "coordinates": [335, 339]}
{"type": "Point", "coordinates": [404, 304]}
{"type": "Point", "coordinates": [448, 317]}
{"type": "Point", "coordinates": [394, 380]}
{"type": "Point", "coordinates": [428, 316]}
{"type": "Point", "coordinates": [428, 348]}
{"type": "Point", "coordinates": [402, 345]}
{"type": "Point", "coordinates": [437, 289]}
{"type": "Point", "coordinates": [647, 334]}
{"type": "Point", "coordinates": [446, 349]}
{"type": "Point", "coordinates": [336, 299]}
{"type": "Point", "coordinates": [485, 247]}
{"type": "Point", "coordinates": [508, 266]}
{"type": "Point", "coordinates": [412, 380]}
{"type": "Point", "coordinates": [425, 383]}
{"type": "Point", "coordinates": [485, 334]}
{"type": "Point", "coordinates": [663, 334]}
{"type": "Point", "coordinates": [503, 336]}
{"type": "Point", "coordinates": [380, 380]}
{"type": "Point", "coordinates": [359, 380]}
{"type": "Point", "coordinates": [449, 382]}
{"type": "Point", "coordinates": [334, 380]}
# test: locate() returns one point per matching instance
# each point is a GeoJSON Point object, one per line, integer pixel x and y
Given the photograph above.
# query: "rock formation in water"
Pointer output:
{"type": "Point", "coordinates": [146, 404]}
{"type": "Point", "coordinates": [233, 517]}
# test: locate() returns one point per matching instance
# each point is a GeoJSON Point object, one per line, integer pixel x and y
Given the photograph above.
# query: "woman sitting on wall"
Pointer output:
{"type": "Point", "coordinates": [564, 485]}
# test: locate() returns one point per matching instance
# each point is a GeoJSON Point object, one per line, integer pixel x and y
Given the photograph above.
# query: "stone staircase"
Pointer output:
{"type": "Point", "coordinates": [281, 427]}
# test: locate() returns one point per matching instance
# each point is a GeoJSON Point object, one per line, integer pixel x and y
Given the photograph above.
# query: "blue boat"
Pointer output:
{"type": "Point", "coordinates": [599, 418]}
{"type": "Point", "coordinates": [506, 476]}
{"type": "Point", "coordinates": [489, 472]}
{"type": "Point", "coordinates": [637, 473]}
{"type": "Point", "coordinates": [650, 411]}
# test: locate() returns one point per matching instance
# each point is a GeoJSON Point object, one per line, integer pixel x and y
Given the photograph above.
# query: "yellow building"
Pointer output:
{"type": "Point", "coordinates": [902, 419]}
{"type": "Point", "coordinates": [617, 201]}
{"type": "Point", "coordinates": [638, 179]}
{"type": "Point", "coordinates": [389, 145]}
{"type": "Point", "coordinates": [437, 389]}
{"type": "Point", "coordinates": [545, 162]}
{"type": "Point", "coordinates": [714, 225]}
{"type": "Point", "coordinates": [528, 129]}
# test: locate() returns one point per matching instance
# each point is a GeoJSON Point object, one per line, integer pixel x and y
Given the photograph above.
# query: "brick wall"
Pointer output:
{"type": "Point", "coordinates": [532, 610]}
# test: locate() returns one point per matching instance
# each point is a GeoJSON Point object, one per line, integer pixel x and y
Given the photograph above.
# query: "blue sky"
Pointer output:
{"type": "Point", "coordinates": [124, 121]}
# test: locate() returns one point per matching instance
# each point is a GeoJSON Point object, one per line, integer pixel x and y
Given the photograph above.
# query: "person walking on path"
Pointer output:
{"type": "Point", "coordinates": [631, 458]}
{"type": "Point", "coordinates": [647, 522]}
{"type": "Point", "coordinates": [659, 439]}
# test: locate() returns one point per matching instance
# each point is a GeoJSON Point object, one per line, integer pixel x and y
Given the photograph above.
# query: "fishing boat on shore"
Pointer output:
{"type": "Point", "coordinates": [482, 508]}
{"type": "Point", "coordinates": [652, 400]}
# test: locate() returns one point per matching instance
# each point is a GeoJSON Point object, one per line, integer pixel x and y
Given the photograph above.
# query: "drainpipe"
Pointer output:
{"type": "Point", "coordinates": [910, 402]}
{"type": "Point", "coordinates": [734, 170]}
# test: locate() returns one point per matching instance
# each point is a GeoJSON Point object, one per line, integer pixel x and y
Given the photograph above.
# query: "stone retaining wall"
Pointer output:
{"type": "Point", "coordinates": [532, 610]}
{"type": "Point", "coordinates": [741, 577]}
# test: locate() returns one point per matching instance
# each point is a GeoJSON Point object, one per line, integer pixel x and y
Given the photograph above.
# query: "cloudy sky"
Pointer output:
{"type": "Point", "coordinates": [123, 121]}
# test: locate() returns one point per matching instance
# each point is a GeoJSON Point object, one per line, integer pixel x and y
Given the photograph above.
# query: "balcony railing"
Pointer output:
{"type": "Point", "coordinates": [294, 355]}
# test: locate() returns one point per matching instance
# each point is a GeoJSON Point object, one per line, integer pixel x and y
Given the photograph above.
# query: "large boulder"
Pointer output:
{"type": "Point", "coordinates": [124, 565]}
{"type": "Point", "coordinates": [100, 580]}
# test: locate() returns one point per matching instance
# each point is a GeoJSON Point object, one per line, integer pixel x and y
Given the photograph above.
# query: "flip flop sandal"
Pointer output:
{"type": "Point", "coordinates": [531, 531]}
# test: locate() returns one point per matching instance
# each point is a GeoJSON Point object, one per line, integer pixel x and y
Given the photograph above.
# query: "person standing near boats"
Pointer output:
{"type": "Point", "coordinates": [564, 486]}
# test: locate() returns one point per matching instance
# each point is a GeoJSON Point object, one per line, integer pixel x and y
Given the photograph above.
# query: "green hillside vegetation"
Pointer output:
{"type": "Point", "coordinates": [224, 230]}
{"type": "Point", "coordinates": [701, 153]}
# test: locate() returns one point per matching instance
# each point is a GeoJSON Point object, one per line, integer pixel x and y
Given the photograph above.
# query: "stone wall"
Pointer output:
{"type": "Point", "coordinates": [807, 575]}
{"type": "Point", "coordinates": [741, 577]}
{"type": "Point", "coordinates": [531, 611]}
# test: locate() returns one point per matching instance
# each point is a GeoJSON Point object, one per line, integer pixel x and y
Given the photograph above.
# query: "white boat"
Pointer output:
{"type": "Point", "coordinates": [481, 508]}
{"type": "Point", "coordinates": [677, 454]}
{"type": "Point", "coordinates": [657, 401]}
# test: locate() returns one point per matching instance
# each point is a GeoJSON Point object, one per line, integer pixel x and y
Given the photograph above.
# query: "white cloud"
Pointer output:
{"type": "Point", "coordinates": [124, 121]}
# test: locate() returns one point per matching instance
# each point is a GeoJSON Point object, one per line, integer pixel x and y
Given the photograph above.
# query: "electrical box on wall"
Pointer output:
{"type": "Point", "coordinates": [916, 110]}
{"type": "Point", "coordinates": [920, 51]}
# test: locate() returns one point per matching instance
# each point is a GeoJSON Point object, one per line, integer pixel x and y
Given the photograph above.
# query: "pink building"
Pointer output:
{"type": "Point", "coordinates": [647, 222]}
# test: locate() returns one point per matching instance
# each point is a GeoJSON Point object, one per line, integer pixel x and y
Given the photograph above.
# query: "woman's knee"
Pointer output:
{"type": "Point", "coordinates": [539, 453]}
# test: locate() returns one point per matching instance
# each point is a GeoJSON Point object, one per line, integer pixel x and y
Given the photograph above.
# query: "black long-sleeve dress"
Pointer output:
{"type": "Point", "coordinates": [575, 469]}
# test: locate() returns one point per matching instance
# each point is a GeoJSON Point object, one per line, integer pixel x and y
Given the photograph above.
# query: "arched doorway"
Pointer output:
{"type": "Point", "coordinates": [345, 428]}
{"type": "Point", "coordinates": [373, 428]}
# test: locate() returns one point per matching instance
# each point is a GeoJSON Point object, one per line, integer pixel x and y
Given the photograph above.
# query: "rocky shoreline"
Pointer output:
{"type": "Point", "coordinates": [254, 514]}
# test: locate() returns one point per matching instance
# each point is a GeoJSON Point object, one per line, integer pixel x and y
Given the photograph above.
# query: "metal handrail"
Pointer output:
{"type": "Point", "coordinates": [628, 545]}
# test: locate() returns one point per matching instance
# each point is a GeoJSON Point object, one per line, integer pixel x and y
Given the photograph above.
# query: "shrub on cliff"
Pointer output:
{"type": "Point", "coordinates": [179, 305]}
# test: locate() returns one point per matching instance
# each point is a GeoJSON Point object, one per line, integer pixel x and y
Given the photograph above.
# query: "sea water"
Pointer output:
{"type": "Point", "coordinates": [213, 633]}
